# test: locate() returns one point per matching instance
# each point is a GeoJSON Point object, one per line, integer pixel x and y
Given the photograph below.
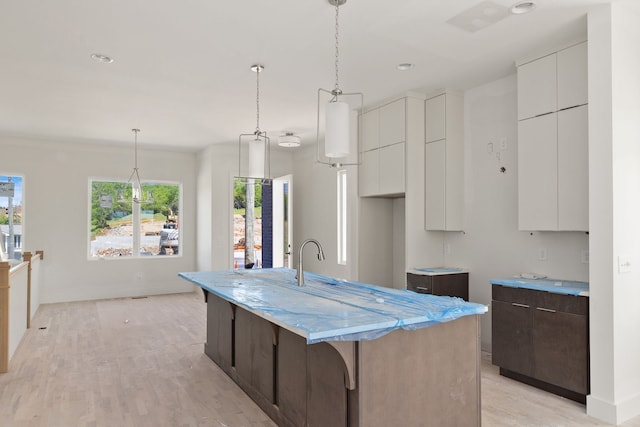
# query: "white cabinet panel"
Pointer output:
{"type": "Point", "coordinates": [572, 76]}
{"type": "Point", "coordinates": [573, 169]}
{"type": "Point", "coordinates": [382, 172]}
{"type": "Point", "coordinates": [538, 173]}
{"type": "Point", "coordinates": [537, 87]}
{"type": "Point", "coordinates": [444, 162]}
{"type": "Point", "coordinates": [435, 159]}
{"type": "Point", "coordinates": [392, 123]}
{"type": "Point", "coordinates": [435, 118]}
{"type": "Point", "coordinates": [369, 127]}
{"type": "Point", "coordinates": [392, 169]}
{"type": "Point", "coordinates": [368, 173]}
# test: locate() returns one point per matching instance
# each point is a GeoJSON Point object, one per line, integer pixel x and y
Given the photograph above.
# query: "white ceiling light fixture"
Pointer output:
{"type": "Point", "coordinates": [522, 7]}
{"type": "Point", "coordinates": [103, 59]}
{"type": "Point", "coordinates": [134, 178]}
{"type": "Point", "coordinates": [289, 140]}
{"type": "Point", "coordinates": [259, 144]}
{"type": "Point", "coordinates": [338, 114]}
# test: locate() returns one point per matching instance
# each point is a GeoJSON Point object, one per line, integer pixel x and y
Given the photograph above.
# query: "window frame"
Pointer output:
{"type": "Point", "coordinates": [342, 214]}
{"type": "Point", "coordinates": [136, 218]}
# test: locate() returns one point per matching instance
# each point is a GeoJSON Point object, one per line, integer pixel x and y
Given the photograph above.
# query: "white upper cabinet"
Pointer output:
{"type": "Point", "coordinates": [573, 169]}
{"type": "Point", "coordinates": [435, 118]}
{"type": "Point", "coordinates": [553, 177]}
{"type": "Point", "coordinates": [382, 172]}
{"type": "Point", "coordinates": [444, 162]}
{"type": "Point", "coordinates": [572, 76]}
{"type": "Point", "coordinates": [370, 123]}
{"type": "Point", "coordinates": [537, 92]}
{"type": "Point", "coordinates": [392, 123]}
{"type": "Point", "coordinates": [538, 173]}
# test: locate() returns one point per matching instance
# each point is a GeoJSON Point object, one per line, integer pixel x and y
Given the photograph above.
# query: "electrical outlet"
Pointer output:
{"type": "Point", "coordinates": [542, 254]}
{"type": "Point", "coordinates": [490, 147]}
{"type": "Point", "coordinates": [624, 264]}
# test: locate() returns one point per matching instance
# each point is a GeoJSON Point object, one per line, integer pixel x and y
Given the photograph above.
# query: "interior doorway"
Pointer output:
{"type": "Point", "coordinates": [282, 221]}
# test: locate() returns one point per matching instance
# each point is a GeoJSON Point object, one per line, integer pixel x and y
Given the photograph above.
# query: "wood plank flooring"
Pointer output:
{"type": "Point", "coordinates": [140, 362]}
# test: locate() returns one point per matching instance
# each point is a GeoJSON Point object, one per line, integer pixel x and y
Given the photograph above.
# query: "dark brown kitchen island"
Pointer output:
{"type": "Point", "coordinates": [337, 353]}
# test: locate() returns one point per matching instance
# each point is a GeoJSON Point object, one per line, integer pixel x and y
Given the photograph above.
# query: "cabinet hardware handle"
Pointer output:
{"type": "Point", "coordinates": [520, 305]}
{"type": "Point", "coordinates": [422, 288]}
{"type": "Point", "coordinates": [548, 310]}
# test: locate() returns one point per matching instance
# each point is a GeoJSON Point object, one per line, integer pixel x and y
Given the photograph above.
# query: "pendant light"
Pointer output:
{"type": "Point", "coordinates": [258, 143]}
{"type": "Point", "coordinates": [337, 113]}
{"type": "Point", "coordinates": [134, 178]}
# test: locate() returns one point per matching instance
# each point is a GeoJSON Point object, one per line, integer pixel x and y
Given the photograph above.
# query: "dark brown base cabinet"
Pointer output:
{"type": "Point", "coordinates": [542, 338]}
{"type": "Point", "coordinates": [427, 377]}
{"type": "Point", "coordinates": [453, 285]}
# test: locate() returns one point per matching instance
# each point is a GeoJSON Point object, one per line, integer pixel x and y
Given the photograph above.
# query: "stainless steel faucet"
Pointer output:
{"type": "Point", "coordinates": [300, 273]}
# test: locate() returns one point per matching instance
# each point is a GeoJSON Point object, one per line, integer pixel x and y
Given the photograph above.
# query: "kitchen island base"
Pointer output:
{"type": "Point", "coordinates": [423, 377]}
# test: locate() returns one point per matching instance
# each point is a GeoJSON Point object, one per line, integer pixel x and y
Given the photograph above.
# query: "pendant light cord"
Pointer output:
{"type": "Point", "coordinates": [258, 132]}
{"type": "Point", "coordinates": [337, 87]}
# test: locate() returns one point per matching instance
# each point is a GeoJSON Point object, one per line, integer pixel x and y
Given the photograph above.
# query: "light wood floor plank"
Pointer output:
{"type": "Point", "coordinates": [141, 362]}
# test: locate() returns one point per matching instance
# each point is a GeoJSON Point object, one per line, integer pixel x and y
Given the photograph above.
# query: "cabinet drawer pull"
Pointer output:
{"type": "Point", "coordinates": [520, 305]}
{"type": "Point", "coordinates": [548, 310]}
{"type": "Point", "coordinates": [422, 288]}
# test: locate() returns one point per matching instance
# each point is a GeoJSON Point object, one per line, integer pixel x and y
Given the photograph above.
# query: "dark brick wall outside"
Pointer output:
{"type": "Point", "coordinates": [267, 226]}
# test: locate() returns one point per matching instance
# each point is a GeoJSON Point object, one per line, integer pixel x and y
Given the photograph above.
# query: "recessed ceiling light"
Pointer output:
{"type": "Point", "coordinates": [289, 140]}
{"type": "Point", "coordinates": [522, 7]}
{"type": "Point", "coordinates": [404, 66]}
{"type": "Point", "coordinates": [104, 59]}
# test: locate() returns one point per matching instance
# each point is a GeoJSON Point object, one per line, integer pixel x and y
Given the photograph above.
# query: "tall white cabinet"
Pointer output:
{"type": "Point", "coordinates": [444, 162]}
{"type": "Point", "coordinates": [553, 141]}
{"type": "Point", "coordinates": [382, 172]}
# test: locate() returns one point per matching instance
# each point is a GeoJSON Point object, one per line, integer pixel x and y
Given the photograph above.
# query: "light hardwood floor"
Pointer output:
{"type": "Point", "coordinates": [140, 362]}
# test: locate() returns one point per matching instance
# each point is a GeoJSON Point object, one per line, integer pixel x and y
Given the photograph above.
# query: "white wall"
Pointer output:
{"type": "Point", "coordinates": [315, 215]}
{"type": "Point", "coordinates": [614, 179]}
{"type": "Point", "coordinates": [217, 166]}
{"type": "Point", "coordinates": [56, 217]}
{"type": "Point", "coordinates": [491, 245]}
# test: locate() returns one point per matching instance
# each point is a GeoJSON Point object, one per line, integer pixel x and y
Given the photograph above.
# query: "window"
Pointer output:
{"type": "Point", "coordinates": [247, 222]}
{"type": "Point", "coordinates": [121, 228]}
{"type": "Point", "coordinates": [342, 217]}
{"type": "Point", "coordinates": [11, 226]}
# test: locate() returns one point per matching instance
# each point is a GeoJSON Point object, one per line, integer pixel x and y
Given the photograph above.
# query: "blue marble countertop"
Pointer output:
{"type": "Point", "coordinates": [434, 271]}
{"type": "Point", "coordinates": [329, 309]}
{"type": "Point", "coordinates": [566, 287]}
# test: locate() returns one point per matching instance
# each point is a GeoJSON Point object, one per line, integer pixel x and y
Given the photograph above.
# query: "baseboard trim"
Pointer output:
{"type": "Point", "coordinates": [613, 413]}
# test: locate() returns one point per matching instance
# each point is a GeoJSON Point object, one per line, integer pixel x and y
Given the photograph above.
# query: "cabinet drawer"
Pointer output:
{"type": "Point", "coordinates": [419, 283]}
{"type": "Point", "coordinates": [542, 299]}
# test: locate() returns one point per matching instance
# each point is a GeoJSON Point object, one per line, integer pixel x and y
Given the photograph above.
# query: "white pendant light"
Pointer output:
{"type": "Point", "coordinates": [134, 178]}
{"type": "Point", "coordinates": [338, 110]}
{"type": "Point", "coordinates": [336, 134]}
{"type": "Point", "coordinates": [258, 143]}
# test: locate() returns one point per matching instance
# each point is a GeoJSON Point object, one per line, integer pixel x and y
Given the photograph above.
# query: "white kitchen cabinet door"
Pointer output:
{"type": "Point", "coordinates": [435, 118]}
{"type": "Point", "coordinates": [572, 76]}
{"type": "Point", "coordinates": [369, 128]}
{"type": "Point", "coordinates": [537, 92]}
{"type": "Point", "coordinates": [435, 185]}
{"type": "Point", "coordinates": [573, 169]}
{"type": "Point", "coordinates": [392, 168]}
{"type": "Point", "coordinates": [538, 173]}
{"type": "Point", "coordinates": [392, 123]}
{"type": "Point", "coordinates": [368, 174]}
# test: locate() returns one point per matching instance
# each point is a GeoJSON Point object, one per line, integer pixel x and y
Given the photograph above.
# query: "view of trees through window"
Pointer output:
{"type": "Point", "coordinates": [121, 227]}
{"type": "Point", "coordinates": [11, 226]}
{"type": "Point", "coordinates": [247, 223]}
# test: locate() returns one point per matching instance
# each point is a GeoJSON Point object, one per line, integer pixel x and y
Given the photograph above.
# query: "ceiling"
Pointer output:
{"type": "Point", "coordinates": [181, 70]}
